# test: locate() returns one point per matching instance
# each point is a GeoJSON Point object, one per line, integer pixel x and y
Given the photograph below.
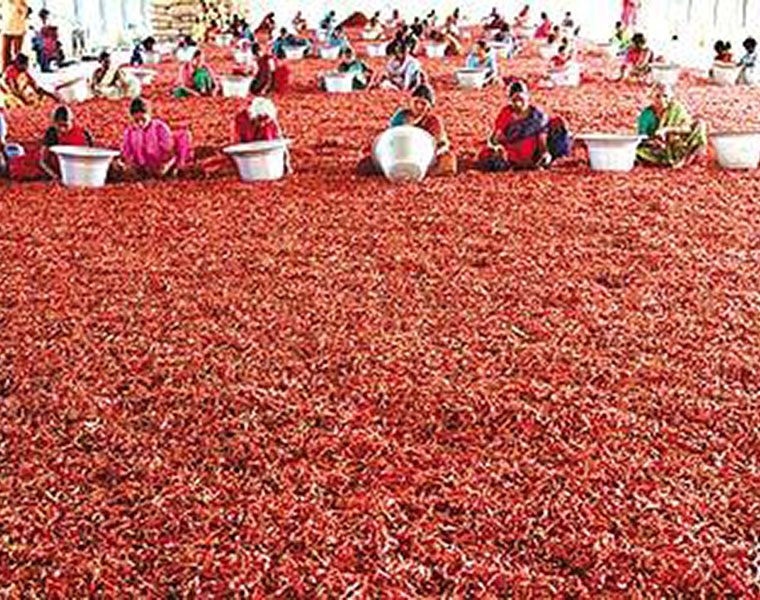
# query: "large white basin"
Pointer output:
{"type": "Point", "coordinates": [144, 76]}
{"type": "Point", "coordinates": [121, 57]}
{"type": "Point", "coordinates": [738, 150]}
{"type": "Point", "coordinates": [74, 90]}
{"type": "Point", "coordinates": [570, 76]}
{"type": "Point", "coordinates": [435, 50]}
{"type": "Point", "coordinates": [259, 161]}
{"type": "Point", "coordinates": [294, 52]}
{"type": "Point", "coordinates": [725, 73]}
{"type": "Point", "coordinates": [241, 57]}
{"type": "Point", "coordinates": [152, 58]}
{"type": "Point", "coordinates": [329, 52]}
{"type": "Point", "coordinates": [339, 83]}
{"type": "Point", "coordinates": [611, 152]}
{"type": "Point", "coordinates": [471, 79]}
{"type": "Point", "coordinates": [83, 166]}
{"type": "Point", "coordinates": [236, 86]}
{"type": "Point", "coordinates": [667, 74]}
{"type": "Point", "coordinates": [404, 153]}
{"type": "Point", "coordinates": [377, 49]}
{"type": "Point", "coordinates": [546, 51]}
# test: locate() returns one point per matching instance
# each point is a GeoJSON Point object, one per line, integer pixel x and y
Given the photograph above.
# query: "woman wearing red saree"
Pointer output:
{"type": "Point", "coordinates": [62, 132]}
{"type": "Point", "coordinates": [523, 137]}
{"type": "Point", "coordinates": [270, 75]}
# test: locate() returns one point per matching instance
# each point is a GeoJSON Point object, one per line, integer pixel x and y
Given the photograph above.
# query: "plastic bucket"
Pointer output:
{"type": "Point", "coordinates": [83, 166]}
{"type": "Point", "coordinates": [737, 150]}
{"type": "Point", "coordinates": [611, 152]}
{"type": "Point", "coordinates": [471, 79]}
{"type": "Point", "coordinates": [339, 83]}
{"type": "Point", "coordinates": [235, 86]}
{"type": "Point", "coordinates": [259, 161]}
{"type": "Point", "coordinates": [404, 153]}
{"type": "Point", "coordinates": [329, 52]}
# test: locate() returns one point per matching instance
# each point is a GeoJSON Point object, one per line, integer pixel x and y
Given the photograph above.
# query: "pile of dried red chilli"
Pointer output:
{"type": "Point", "coordinates": [519, 385]}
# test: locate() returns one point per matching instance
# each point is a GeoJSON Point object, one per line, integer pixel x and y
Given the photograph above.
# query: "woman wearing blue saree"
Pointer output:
{"type": "Point", "coordinates": [524, 137]}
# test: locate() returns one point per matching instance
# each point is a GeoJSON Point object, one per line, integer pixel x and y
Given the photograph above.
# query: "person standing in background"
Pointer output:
{"type": "Point", "coordinates": [15, 14]}
{"type": "Point", "coordinates": [630, 14]}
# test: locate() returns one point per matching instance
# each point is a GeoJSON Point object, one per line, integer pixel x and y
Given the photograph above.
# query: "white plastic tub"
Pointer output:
{"type": "Point", "coordinates": [376, 50]}
{"type": "Point", "coordinates": [83, 166]}
{"type": "Point", "coordinates": [241, 57]}
{"type": "Point", "coordinates": [339, 83]}
{"type": "Point", "coordinates": [329, 52]}
{"type": "Point", "coordinates": [404, 153]}
{"type": "Point", "coordinates": [471, 79]}
{"type": "Point", "coordinates": [611, 152]}
{"type": "Point", "coordinates": [236, 86]}
{"type": "Point", "coordinates": [546, 51]}
{"type": "Point", "coordinates": [74, 90]}
{"type": "Point", "coordinates": [725, 73]}
{"type": "Point", "coordinates": [435, 50]}
{"type": "Point", "coordinates": [144, 76]}
{"type": "Point", "coordinates": [152, 58]}
{"type": "Point", "coordinates": [259, 161]}
{"type": "Point", "coordinates": [570, 76]}
{"type": "Point", "coordinates": [121, 57]}
{"type": "Point", "coordinates": [294, 52]}
{"type": "Point", "coordinates": [738, 150]}
{"type": "Point", "coordinates": [666, 74]}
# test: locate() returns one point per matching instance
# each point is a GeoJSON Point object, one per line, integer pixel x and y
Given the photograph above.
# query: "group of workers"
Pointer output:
{"type": "Point", "coordinates": [523, 135]}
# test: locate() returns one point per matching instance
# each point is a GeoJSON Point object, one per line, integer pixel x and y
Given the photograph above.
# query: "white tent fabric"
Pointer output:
{"type": "Point", "coordinates": [697, 22]}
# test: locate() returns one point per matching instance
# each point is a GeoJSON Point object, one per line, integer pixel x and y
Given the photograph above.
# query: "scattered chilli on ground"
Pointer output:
{"type": "Point", "coordinates": [533, 384]}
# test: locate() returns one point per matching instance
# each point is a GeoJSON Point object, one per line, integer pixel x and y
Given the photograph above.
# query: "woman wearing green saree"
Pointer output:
{"type": "Point", "coordinates": [196, 78]}
{"type": "Point", "coordinates": [673, 138]}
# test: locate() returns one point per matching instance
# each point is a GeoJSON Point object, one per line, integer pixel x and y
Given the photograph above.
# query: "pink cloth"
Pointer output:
{"type": "Point", "coordinates": [153, 146]}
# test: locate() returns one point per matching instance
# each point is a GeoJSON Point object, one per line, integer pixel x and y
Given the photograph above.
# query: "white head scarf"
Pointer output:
{"type": "Point", "coordinates": [262, 107]}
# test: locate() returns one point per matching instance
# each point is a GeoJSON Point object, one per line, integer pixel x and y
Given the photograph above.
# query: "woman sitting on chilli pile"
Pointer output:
{"type": "Point", "coordinates": [62, 132]}
{"type": "Point", "coordinates": [19, 88]}
{"type": "Point", "coordinates": [150, 148]}
{"type": "Point", "coordinates": [524, 137]}
{"type": "Point", "coordinates": [420, 113]}
{"type": "Point", "coordinates": [673, 138]}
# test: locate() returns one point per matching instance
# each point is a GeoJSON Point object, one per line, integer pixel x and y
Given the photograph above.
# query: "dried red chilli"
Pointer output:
{"type": "Point", "coordinates": [535, 383]}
